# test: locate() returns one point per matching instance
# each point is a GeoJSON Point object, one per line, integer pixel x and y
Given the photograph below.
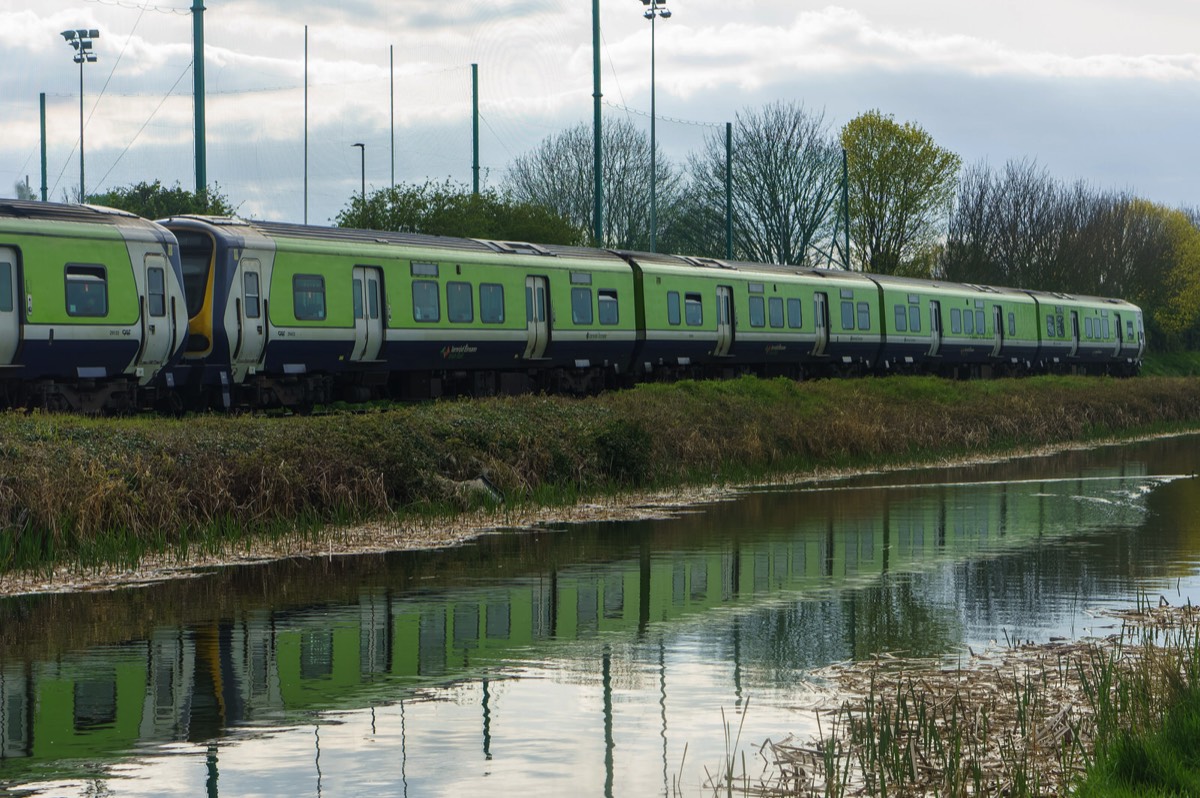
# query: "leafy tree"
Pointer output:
{"type": "Point", "coordinates": [901, 188]}
{"type": "Point", "coordinates": [558, 174]}
{"type": "Point", "coordinates": [22, 191]}
{"type": "Point", "coordinates": [450, 209]}
{"type": "Point", "coordinates": [786, 175]}
{"type": "Point", "coordinates": [156, 201]}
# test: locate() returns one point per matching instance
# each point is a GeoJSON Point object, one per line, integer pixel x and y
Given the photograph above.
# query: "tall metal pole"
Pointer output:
{"type": "Point", "coordinates": [846, 207]}
{"type": "Point", "coordinates": [306, 124]}
{"type": "Point", "coordinates": [653, 145]}
{"type": "Point", "coordinates": [392, 103]}
{"type": "Point", "coordinates": [362, 149]}
{"type": "Point", "coordinates": [198, 95]}
{"type": "Point", "coordinates": [475, 126]}
{"type": "Point", "coordinates": [597, 147]}
{"type": "Point", "coordinates": [43, 104]}
{"type": "Point", "coordinates": [82, 193]}
{"type": "Point", "coordinates": [729, 191]}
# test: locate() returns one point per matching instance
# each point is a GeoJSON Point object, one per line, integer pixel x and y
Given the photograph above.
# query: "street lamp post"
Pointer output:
{"type": "Point", "coordinates": [362, 150]}
{"type": "Point", "coordinates": [81, 40]}
{"type": "Point", "coordinates": [654, 9]}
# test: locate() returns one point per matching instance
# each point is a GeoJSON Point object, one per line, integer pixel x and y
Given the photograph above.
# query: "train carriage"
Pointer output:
{"type": "Point", "coordinates": [1089, 334]}
{"type": "Point", "coordinates": [982, 330]}
{"type": "Point", "coordinates": [91, 308]}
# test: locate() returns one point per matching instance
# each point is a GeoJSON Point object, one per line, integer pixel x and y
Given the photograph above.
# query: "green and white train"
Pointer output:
{"type": "Point", "coordinates": [210, 312]}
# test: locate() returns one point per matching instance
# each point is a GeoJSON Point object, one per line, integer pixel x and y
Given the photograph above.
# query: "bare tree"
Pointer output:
{"type": "Point", "coordinates": [785, 181]}
{"type": "Point", "coordinates": [558, 175]}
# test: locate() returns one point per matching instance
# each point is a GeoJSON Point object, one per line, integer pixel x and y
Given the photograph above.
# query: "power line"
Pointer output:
{"type": "Point", "coordinates": [692, 122]}
{"type": "Point", "coordinates": [145, 124]}
{"type": "Point", "coordinates": [143, 7]}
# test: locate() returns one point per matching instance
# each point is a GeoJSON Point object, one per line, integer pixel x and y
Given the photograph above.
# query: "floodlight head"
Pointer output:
{"type": "Point", "coordinates": [93, 34]}
{"type": "Point", "coordinates": [69, 35]}
{"type": "Point", "coordinates": [665, 13]}
{"type": "Point", "coordinates": [648, 14]}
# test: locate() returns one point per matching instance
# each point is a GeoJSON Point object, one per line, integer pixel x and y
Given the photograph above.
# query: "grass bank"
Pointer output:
{"type": "Point", "coordinates": [80, 490]}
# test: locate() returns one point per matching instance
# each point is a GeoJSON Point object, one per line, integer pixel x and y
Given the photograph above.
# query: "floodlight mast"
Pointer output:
{"type": "Point", "coordinates": [82, 39]}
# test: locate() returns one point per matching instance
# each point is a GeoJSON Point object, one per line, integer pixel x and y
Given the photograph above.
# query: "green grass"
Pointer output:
{"type": "Point", "coordinates": [1172, 364]}
{"type": "Point", "coordinates": [89, 490]}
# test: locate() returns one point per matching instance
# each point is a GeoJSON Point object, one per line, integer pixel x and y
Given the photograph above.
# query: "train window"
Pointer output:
{"type": "Point", "coordinates": [914, 318]}
{"type": "Point", "coordinates": [373, 298]}
{"type": "Point", "coordinates": [775, 311]}
{"type": "Point", "coordinates": [87, 290]}
{"type": "Point", "coordinates": [6, 289]}
{"type": "Point", "coordinates": [1087, 327]}
{"type": "Point", "coordinates": [359, 313]}
{"type": "Point", "coordinates": [1012, 324]}
{"type": "Point", "coordinates": [864, 315]}
{"type": "Point", "coordinates": [901, 318]}
{"type": "Point", "coordinates": [1107, 330]}
{"type": "Point", "coordinates": [252, 294]}
{"type": "Point", "coordinates": [847, 315]}
{"type": "Point", "coordinates": [460, 303]}
{"type": "Point", "coordinates": [491, 303]}
{"type": "Point", "coordinates": [426, 304]}
{"type": "Point", "coordinates": [156, 291]}
{"type": "Point", "coordinates": [673, 307]}
{"type": "Point", "coordinates": [758, 313]}
{"type": "Point", "coordinates": [980, 325]}
{"type": "Point", "coordinates": [581, 305]}
{"type": "Point", "coordinates": [968, 322]}
{"type": "Point", "coordinates": [956, 320]}
{"type": "Point", "coordinates": [1050, 326]}
{"type": "Point", "coordinates": [308, 297]}
{"type": "Point", "coordinates": [609, 310]}
{"type": "Point", "coordinates": [693, 310]}
{"type": "Point", "coordinates": [1062, 330]}
{"type": "Point", "coordinates": [794, 311]}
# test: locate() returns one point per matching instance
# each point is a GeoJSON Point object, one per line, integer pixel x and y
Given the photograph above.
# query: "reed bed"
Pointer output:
{"type": "Point", "coordinates": [1055, 719]}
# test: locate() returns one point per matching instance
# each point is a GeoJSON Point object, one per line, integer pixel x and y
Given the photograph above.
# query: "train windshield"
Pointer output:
{"type": "Point", "coordinates": [196, 256]}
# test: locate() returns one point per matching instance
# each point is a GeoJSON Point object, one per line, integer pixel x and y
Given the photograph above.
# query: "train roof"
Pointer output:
{"type": "Point", "coordinates": [62, 212]}
{"type": "Point", "coordinates": [422, 241]}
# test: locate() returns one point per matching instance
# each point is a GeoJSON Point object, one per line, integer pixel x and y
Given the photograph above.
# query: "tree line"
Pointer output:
{"type": "Point", "coordinates": [794, 185]}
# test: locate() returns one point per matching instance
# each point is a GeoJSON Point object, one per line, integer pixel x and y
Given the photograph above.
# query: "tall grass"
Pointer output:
{"type": "Point", "coordinates": [86, 490]}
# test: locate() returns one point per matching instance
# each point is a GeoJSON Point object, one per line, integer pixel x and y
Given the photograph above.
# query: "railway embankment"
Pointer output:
{"type": "Point", "coordinates": [80, 493]}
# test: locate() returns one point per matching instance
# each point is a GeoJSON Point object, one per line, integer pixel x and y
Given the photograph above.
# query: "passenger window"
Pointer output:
{"type": "Point", "coordinates": [491, 303]}
{"type": "Point", "coordinates": [794, 314]}
{"type": "Point", "coordinates": [1012, 324]}
{"type": "Point", "coordinates": [980, 324]}
{"type": "Point", "coordinates": [1050, 326]}
{"type": "Point", "coordinates": [693, 310]}
{"type": "Point", "coordinates": [308, 297]}
{"type": "Point", "coordinates": [373, 298]}
{"type": "Point", "coordinates": [156, 291]}
{"type": "Point", "coordinates": [847, 315]}
{"type": "Point", "coordinates": [955, 320]}
{"type": "Point", "coordinates": [1062, 329]}
{"type": "Point", "coordinates": [914, 318]}
{"type": "Point", "coordinates": [1087, 327]}
{"type": "Point", "coordinates": [758, 314]}
{"type": "Point", "coordinates": [427, 306]}
{"type": "Point", "coordinates": [673, 307]}
{"type": "Point", "coordinates": [609, 311]}
{"type": "Point", "coordinates": [87, 290]}
{"type": "Point", "coordinates": [460, 304]}
{"type": "Point", "coordinates": [864, 315]}
{"type": "Point", "coordinates": [358, 299]}
{"type": "Point", "coordinates": [968, 323]}
{"type": "Point", "coordinates": [901, 318]}
{"type": "Point", "coordinates": [581, 305]}
{"type": "Point", "coordinates": [6, 289]}
{"type": "Point", "coordinates": [1107, 330]}
{"type": "Point", "coordinates": [775, 311]}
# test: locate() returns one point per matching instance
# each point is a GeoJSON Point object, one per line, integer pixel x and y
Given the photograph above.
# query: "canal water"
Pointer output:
{"type": "Point", "coordinates": [613, 659]}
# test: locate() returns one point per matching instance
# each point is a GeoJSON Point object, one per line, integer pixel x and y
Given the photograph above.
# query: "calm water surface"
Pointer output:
{"type": "Point", "coordinates": [581, 660]}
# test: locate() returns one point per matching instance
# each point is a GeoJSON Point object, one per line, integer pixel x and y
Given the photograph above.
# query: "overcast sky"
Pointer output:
{"type": "Point", "coordinates": [1097, 90]}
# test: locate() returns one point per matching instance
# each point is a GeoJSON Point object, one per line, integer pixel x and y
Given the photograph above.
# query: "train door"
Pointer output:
{"type": "Point", "coordinates": [251, 321]}
{"type": "Point", "coordinates": [935, 328]}
{"type": "Point", "coordinates": [998, 331]}
{"type": "Point", "coordinates": [1074, 332]}
{"type": "Point", "coordinates": [537, 330]}
{"type": "Point", "coordinates": [1119, 340]}
{"type": "Point", "coordinates": [10, 314]}
{"type": "Point", "coordinates": [821, 309]}
{"type": "Point", "coordinates": [368, 319]}
{"type": "Point", "coordinates": [158, 332]}
{"type": "Point", "coordinates": [724, 320]}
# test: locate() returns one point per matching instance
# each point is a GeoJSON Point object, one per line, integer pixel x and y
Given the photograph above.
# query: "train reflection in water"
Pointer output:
{"type": "Point", "coordinates": [93, 678]}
